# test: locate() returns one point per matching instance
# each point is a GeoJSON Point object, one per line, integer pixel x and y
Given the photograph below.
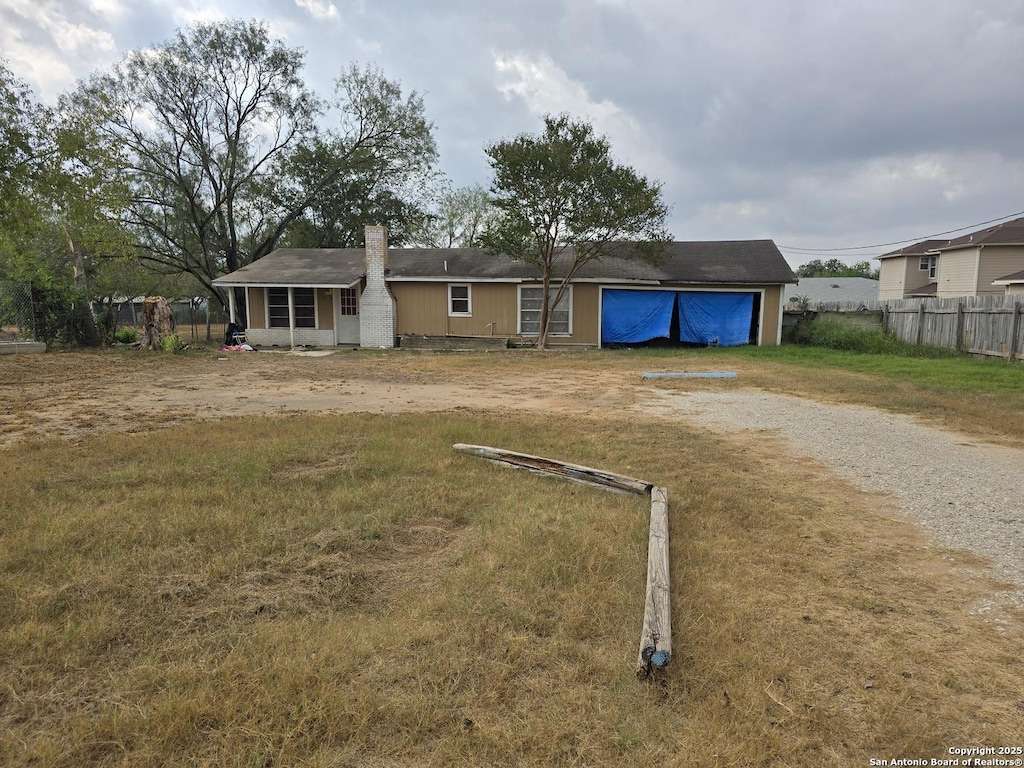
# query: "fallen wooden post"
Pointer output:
{"type": "Point", "coordinates": [656, 634]}
{"type": "Point", "coordinates": [574, 472]}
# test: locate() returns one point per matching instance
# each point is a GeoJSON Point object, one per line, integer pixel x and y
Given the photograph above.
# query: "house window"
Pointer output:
{"type": "Point", "coordinates": [928, 264]}
{"type": "Point", "coordinates": [349, 301]}
{"type": "Point", "coordinates": [305, 307]}
{"type": "Point", "coordinates": [530, 299]}
{"type": "Point", "coordinates": [459, 301]}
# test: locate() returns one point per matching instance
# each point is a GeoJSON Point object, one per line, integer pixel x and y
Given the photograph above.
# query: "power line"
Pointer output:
{"type": "Point", "coordinates": [812, 251]}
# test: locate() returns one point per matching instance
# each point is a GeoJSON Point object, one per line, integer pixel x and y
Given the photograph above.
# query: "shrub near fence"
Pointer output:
{"type": "Point", "coordinates": [979, 325]}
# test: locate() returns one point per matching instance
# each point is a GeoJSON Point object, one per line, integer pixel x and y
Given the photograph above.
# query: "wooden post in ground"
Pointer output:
{"type": "Point", "coordinates": [959, 340]}
{"type": "Point", "coordinates": [920, 323]}
{"type": "Point", "coordinates": [656, 635]}
{"type": "Point", "coordinates": [1011, 350]}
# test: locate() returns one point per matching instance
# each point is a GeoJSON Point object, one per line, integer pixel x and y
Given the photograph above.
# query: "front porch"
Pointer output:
{"type": "Point", "coordinates": [299, 316]}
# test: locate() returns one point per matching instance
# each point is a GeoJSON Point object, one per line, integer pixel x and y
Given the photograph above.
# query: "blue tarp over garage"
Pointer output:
{"type": "Point", "coordinates": [705, 317]}
{"type": "Point", "coordinates": [635, 316]}
{"type": "Point", "coordinates": [721, 318]}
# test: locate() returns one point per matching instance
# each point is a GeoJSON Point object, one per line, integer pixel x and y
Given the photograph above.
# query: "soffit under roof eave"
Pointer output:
{"type": "Point", "coordinates": [454, 279]}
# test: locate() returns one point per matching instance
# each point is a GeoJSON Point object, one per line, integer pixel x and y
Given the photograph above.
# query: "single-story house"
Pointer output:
{"type": "Point", "coordinates": [710, 293]}
{"type": "Point", "coordinates": [821, 289]}
{"type": "Point", "coordinates": [971, 265]}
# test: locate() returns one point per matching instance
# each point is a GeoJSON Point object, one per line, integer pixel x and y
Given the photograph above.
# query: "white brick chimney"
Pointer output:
{"type": "Point", "coordinates": [376, 305]}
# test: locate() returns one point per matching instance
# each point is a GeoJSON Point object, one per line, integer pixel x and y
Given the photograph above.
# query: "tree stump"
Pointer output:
{"type": "Point", "coordinates": [157, 321]}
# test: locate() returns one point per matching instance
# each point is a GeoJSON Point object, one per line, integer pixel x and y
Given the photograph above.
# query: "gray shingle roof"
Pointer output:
{"type": "Point", "coordinates": [917, 249]}
{"type": "Point", "coordinates": [835, 289]}
{"type": "Point", "coordinates": [732, 261]}
{"type": "Point", "coordinates": [1016, 277]}
{"type": "Point", "coordinates": [317, 267]}
{"type": "Point", "coordinates": [1008, 233]}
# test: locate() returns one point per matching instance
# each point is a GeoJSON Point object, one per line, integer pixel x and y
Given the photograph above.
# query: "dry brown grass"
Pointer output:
{"type": "Point", "coordinates": [346, 591]}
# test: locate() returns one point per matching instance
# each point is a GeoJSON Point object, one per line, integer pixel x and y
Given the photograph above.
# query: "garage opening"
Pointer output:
{"type": "Point", "coordinates": [679, 318]}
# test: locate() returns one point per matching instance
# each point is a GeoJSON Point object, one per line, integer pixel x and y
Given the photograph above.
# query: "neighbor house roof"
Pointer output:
{"type": "Point", "coordinates": [930, 289]}
{"type": "Point", "coordinates": [1008, 233]}
{"type": "Point", "coordinates": [835, 289]}
{"type": "Point", "coordinates": [1016, 277]}
{"type": "Point", "coordinates": [734, 261]}
{"type": "Point", "coordinates": [917, 249]}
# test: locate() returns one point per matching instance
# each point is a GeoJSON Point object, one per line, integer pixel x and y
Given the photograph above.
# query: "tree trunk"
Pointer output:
{"type": "Point", "coordinates": [157, 321]}
{"type": "Point", "coordinates": [545, 311]}
{"type": "Point", "coordinates": [89, 334]}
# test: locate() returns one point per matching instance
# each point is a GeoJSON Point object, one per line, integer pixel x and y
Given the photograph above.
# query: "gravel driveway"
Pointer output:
{"type": "Point", "coordinates": [967, 494]}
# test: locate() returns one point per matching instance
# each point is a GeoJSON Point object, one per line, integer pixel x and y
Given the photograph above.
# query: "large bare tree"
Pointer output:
{"type": "Point", "coordinates": [208, 128]}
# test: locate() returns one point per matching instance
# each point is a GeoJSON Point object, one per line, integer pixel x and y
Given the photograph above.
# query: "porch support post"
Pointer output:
{"type": "Point", "coordinates": [291, 315]}
{"type": "Point", "coordinates": [231, 305]}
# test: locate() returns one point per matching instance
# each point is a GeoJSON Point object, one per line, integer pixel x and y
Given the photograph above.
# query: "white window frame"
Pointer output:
{"type": "Point", "coordinates": [316, 308]}
{"type": "Point", "coordinates": [348, 299]}
{"type": "Point", "coordinates": [552, 290]}
{"type": "Point", "coordinates": [929, 264]}
{"type": "Point", "coordinates": [468, 299]}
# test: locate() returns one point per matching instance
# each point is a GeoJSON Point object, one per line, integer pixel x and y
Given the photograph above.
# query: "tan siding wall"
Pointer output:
{"type": "Point", "coordinates": [892, 277]}
{"type": "Point", "coordinates": [956, 273]}
{"type": "Point", "coordinates": [772, 303]}
{"type": "Point", "coordinates": [585, 319]}
{"type": "Point", "coordinates": [257, 308]}
{"type": "Point", "coordinates": [998, 262]}
{"type": "Point", "coordinates": [1015, 290]}
{"type": "Point", "coordinates": [422, 308]}
{"type": "Point", "coordinates": [325, 309]}
{"type": "Point", "coordinates": [494, 311]}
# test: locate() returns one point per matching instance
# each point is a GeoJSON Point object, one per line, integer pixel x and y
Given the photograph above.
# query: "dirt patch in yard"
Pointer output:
{"type": "Point", "coordinates": [976, 509]}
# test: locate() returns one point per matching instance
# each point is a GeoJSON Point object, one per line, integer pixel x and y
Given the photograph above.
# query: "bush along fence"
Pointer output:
{"type": "Point", "coordinates": [978, 325]}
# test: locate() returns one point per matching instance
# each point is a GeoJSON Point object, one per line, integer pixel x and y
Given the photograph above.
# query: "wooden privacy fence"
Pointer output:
{"type": "Point", "coordinates": [979, 325]}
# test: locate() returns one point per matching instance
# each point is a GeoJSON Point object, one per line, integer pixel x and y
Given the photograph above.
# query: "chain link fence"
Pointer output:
{"type": "Point", "coordinates": [17, 312]}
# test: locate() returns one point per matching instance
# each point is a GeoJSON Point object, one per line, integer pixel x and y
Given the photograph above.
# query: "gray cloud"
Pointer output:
{"type": "Point", "coordinates": [816, 124]}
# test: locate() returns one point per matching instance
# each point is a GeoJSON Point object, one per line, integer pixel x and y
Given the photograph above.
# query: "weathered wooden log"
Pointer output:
{"type": "Point", "coordinates": [574, 472]}
{"type": "Point", "coordinates": [656, 635]}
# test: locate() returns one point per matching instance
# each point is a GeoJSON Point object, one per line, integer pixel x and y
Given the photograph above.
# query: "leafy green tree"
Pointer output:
{"type": "Point", "coordinates": [34, 246]}
{"type": "Point", "coordinates": [457, 219]}
{"type": "Point", "coordinates": [836, 268]}
{"type": "Point", "coordinates": [23, 157]}
{"type": "Point", "coordinates": [337, 217]}
{"type": "Point", "coordinates": [564, 202]}
{"type": "Point", "coordinates": [211, 128]}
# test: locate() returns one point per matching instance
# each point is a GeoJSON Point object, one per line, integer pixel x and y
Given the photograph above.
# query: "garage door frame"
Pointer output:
{"type": "Point", "coordinates": [695, 289]}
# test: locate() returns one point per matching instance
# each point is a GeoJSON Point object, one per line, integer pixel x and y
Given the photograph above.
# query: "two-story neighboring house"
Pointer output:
{"type": "Point", "coordinates": [977, 264]}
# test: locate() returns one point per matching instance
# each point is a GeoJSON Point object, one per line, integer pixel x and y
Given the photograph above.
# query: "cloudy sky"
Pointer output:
{"type": "Point", "coordinates": [821, 124]}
